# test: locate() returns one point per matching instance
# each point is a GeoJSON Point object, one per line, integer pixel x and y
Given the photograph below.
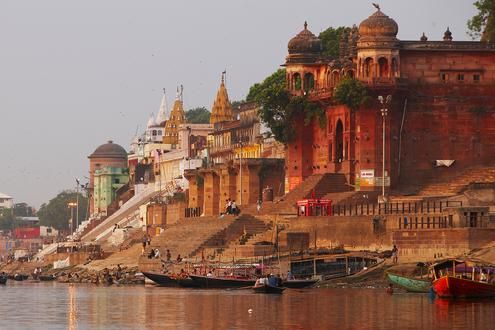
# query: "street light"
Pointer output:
{"type": "Point", "coordinates": [384, 111]}
{"type": "Point", "coordinates": [71, 205]}
{"type": "Point", "coordinates": [77, 202]}
{"type": "Point", "coordinates": [240, 171]}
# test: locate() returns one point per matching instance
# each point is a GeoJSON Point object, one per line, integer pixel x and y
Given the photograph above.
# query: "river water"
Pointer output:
{"type": "Point", "coordinates": [62, 306]}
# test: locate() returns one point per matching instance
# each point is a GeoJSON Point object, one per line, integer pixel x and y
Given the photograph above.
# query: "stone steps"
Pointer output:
{"type": "Point", "coordinates": [459, 182]}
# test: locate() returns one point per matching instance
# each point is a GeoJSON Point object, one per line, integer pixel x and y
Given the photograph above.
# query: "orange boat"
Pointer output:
{"type": "Point", "coordinates": [463, 279]}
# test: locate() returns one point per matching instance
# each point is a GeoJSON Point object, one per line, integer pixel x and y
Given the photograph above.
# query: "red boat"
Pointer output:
{"type": "Point", "coordinates": [463, 279]}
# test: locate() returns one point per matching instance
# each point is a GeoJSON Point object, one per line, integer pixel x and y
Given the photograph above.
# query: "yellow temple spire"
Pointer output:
{"type": "Point", "coordinates": [177, 117]}
{"type": "Point", "coordinates": [222, 109]}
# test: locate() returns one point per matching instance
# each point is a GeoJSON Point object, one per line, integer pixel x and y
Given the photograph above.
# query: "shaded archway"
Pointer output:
{"type": "Point", "coordinates": [339, 141]}
{"type": "Point", "coordinates": [383, 67]}
{"type": "Point", "coordinates": [296, 81]}
{"type": "Point", "coordinates": [309, 82]}
{"type": "Point", "coordinates": [368, 67]}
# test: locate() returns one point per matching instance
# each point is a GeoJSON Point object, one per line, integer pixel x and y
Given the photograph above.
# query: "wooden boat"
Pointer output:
{"type": "Point", "coordinates": [298, 284]}
{"type": "Point", "coordinates": [410, 284]}
{"type": "Point", "coordinates": [161, 279]}
{"type": "Point", "coordinates": [265, 288]}
{"type": "Point", "coordinates": [46, 277]}
{"type": "Point", "coordinates": [463, 279]}
{"type": "Point", "coordinates": [20, 277]}
{"type": "Point", "coordinates": [3, 279]}
{"type": "Point", "coordinates": [212, 282]}
{"type": "Point", "coordinates": [187, 282]}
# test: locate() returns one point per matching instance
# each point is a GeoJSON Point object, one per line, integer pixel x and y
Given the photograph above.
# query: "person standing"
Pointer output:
{"type": "Point", "coordinates": [395, 252]}
{"type": "Point", "coordinates": [258, 205]}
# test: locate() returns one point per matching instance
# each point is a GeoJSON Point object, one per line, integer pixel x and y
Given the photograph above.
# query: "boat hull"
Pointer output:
{"type": "Point", "coordinates": [161, 279]}
{"type": "Point", "coordinates": [46, 278]}
{"type": "Point", "coordinates": [268, 289]}
{"type": "Point", "coordinates": [221, 282]}
{"type": "Point", "coordinates": [410, 284]}
{"type": "Point", "coordinates": [452, 287]}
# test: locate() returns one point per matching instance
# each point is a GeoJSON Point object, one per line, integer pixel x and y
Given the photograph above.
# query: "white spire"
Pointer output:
{"type": "Point", "coordinates": [164, 112]}
{"type": "Point", "coordinates": [151, 121]}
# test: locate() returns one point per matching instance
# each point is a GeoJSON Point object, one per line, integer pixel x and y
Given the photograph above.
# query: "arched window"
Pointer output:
{"type": "Point", "coordinates": [296, 81]}
{"type": "Point", "coordinates": [350, 74]}
{"type": "Point", "coordinates": [368, 67]}
{"type": "Point", "coordinates": [339, 141]}
{"type": "Point", "coordinates": [383, 67]}
{"type": "Point", "coordinates": [335, 78]}
{"type": "Point", "coordinates": [309, 82]}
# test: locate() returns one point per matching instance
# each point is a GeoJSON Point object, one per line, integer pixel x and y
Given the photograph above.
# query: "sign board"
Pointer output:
{"type": "Point", "coordinates": [379, 181]}
{"type": "Point", "coordinates": [367, 173]}
{"type": "Point", "coordinates": [367, 178]}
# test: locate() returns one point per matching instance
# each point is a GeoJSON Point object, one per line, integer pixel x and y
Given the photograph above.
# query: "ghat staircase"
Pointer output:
{"type": "Point", "coordinates": [456, 184]}
{"type": "Point", "coordinates": [317, 186]}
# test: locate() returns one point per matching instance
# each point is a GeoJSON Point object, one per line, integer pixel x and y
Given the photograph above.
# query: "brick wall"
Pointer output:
{"type": "Point", "coordinates": [429, 244]}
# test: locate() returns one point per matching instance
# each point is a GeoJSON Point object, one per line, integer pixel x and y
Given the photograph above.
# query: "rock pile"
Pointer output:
{"type": "Point", "coordinates": [119, 276]}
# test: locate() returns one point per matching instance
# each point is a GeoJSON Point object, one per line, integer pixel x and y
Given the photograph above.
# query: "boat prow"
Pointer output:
{"type": "Point", "coordinates": [410, 284]}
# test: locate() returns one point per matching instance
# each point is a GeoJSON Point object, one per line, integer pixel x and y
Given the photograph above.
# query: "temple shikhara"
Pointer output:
{"type": "Point", "coordinates": [438, 111]}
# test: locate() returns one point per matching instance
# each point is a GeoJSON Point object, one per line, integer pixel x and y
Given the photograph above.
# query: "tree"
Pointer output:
{"type": "Point", "coordinates": [7, 219]}
{"type": "Point", "coordinates": [351, 92]}
{"type": "Point", "coordinates": [57, 213]}
{"type": "Point", "coordinates": [483, 23]}
{"type": "Point", "coordinates": [330, 40]}
{"type": "Point", "coordinates": [278, 109]}
{"type": "Point", "coordinates": [199, 115]}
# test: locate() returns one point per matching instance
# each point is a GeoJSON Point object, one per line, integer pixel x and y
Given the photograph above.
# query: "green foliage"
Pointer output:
{"type": "Point", "coordinates": [235, 104]}
{"type": "Point", "coordinates": [199, 115]}
{"type": "Point", "coordinates": [7, 219]}
{"type": "Point", "coordinates": [278, 109]}
{"type": "Point", "coordinates": [57, 213]}
{"type": "Point", "coordinates": [351, 92]}
{"type": "Point", "coordinates": [330, 40]}
{"type": "Point", "coordinates": [483, 23]}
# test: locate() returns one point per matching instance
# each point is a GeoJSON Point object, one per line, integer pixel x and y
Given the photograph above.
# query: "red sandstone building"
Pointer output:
{"type": "Point", "coordinates": [442, 108]}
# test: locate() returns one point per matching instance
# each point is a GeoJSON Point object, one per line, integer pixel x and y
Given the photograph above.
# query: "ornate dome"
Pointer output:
{"type": "Point", "coordinates": [378, 25]}
{"type": "Point", "coordinates": [109, 150]}
{"type": "Point", "coordinates": [304, 42]}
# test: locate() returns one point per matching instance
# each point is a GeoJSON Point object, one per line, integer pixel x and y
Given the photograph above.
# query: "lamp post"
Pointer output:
{"type": "Point", "coordinates": [77, 202]}
{"type": "Point", "coordinates": [384, 103]}
{"type": "Point", "coordinates": [71, 205]}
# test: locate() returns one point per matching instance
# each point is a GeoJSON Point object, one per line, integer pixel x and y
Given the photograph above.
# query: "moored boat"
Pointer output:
{"type": "Point", "coordinates": [463, 279]}
{"type": "Point", "coordinates": [161, 279]}
{"type": "Point", "coordinates": [213, 282]}
{"type": "Point", "coordinates": [46, 277]}
{"type": "Point", "coordinates": [265, 288]}
{"type": "Point", "coordinates": [410, 284]}
{"type": "Point", "coordinates": [20, 277]}
{"type": "Point", "coordinates": [3, 279]}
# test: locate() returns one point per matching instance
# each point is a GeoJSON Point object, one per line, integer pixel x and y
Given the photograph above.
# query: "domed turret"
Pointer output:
{"type": "Point", "coordinates": [378, 25]}
{"type": "Point", "coordinates": [109, 150]}
{"type": "Point", "coordinates": [304, 42]}
{"type": "Point", "coordinates": [304, 47]}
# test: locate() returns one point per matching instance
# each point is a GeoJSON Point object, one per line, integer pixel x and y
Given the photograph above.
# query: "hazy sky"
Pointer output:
{"type": "Point", "coordinates": [74, 74]}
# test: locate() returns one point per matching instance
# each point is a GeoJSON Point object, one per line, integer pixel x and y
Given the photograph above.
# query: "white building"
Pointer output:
{"type": "Point", "coordinates": [6, 202]}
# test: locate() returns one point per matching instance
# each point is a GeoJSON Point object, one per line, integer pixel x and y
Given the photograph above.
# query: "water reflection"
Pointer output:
{"type": "Point", "coordinates": [34, 306]}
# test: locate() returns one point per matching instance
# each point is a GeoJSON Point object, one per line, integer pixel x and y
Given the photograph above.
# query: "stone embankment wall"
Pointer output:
{"type": "Point", "coordinates": [417, 245]}
{"type": "Point", "coordinates": [352, 232]}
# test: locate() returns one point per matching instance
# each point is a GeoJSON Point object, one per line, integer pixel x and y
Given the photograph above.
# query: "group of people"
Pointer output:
{"type": "Point", "coordinates": [231, 207]}
{"type": "Point", "coordinates": [37, 272]}
{"type": "Point", "coordinates": [270, 280]}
